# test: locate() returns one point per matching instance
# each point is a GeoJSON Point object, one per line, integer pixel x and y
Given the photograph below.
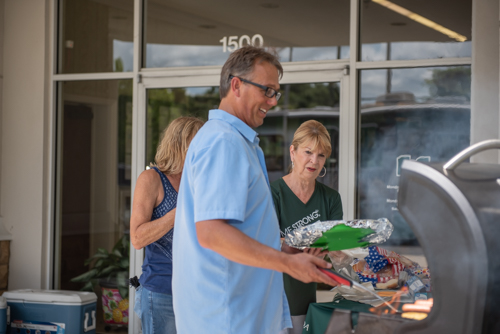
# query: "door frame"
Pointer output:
{"type": "Point", "coordinates": [293, 73]}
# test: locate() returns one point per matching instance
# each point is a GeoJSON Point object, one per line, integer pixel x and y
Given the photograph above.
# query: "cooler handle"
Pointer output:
{"type": "Point", "coordinates": [85, 322]}
{"type": "Point", "coordinates": [470, 151]}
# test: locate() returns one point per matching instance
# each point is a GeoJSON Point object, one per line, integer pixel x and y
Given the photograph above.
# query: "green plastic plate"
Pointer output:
{"type": "Point", "coordinates": [342, 237]}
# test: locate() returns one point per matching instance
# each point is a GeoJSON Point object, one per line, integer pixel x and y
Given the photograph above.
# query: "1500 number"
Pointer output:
{"type": "Point", "coordinates": [231, 43]}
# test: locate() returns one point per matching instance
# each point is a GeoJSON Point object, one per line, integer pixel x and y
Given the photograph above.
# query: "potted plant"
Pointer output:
{"type": "Point", "coordinates": [110, 270]}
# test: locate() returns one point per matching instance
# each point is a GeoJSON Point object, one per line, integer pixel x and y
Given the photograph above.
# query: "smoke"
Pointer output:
{"type": "Point", "coordinates": [432, 132]}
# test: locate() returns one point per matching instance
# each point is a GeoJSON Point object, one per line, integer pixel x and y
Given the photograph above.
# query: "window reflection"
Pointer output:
{"type": "Point", "coordinates": [167, 104]}
{"type": "Point", "coordinates": [390, 34]}
{"type": "Point", "coordinates": [96, 36]}
{"type": "Point", "coordinates": [93, 186]}
{"type": "Point", "coordinates": [299, 103]}
{"type": "Point", "coordinates": [421, 114]}
{"type": "Point", "coordinates": [199, 33]}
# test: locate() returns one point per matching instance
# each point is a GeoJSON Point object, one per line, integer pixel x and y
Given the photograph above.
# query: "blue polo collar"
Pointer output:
{"type": "Point", "coordinates": [241, 126]}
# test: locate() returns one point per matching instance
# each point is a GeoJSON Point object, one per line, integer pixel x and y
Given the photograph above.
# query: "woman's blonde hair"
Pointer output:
{"type": "Point", "coordinates": [315, 132]}
{"type": "Point", "coordinates": [174, 144]}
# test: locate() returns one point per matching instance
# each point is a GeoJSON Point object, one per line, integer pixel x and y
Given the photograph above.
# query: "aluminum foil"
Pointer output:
{"type": "Point", "coordinates": [305, 236]}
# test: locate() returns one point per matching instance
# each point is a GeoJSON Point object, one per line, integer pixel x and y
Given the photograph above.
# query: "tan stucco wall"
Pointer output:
{"type": "Point", "coordinates": [22, 141]}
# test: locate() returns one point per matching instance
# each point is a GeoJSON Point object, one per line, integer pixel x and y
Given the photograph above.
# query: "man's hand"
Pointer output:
{"type": "Point", "coordinates": [313, 251]}
{"type": "Point", "coordinates": [316, 252]}
{"type": "Point", "coordinates": [304, 267]}
{"type": "Point", "coordinates": [289, 250]}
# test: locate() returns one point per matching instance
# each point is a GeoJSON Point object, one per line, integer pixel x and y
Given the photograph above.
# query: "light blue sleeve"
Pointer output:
{"type": "Point", "coordinates": [220, 180]}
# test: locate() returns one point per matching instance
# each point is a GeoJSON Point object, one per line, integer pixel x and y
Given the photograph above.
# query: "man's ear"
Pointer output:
{"type": "Point", "coordinates": [236, 86]}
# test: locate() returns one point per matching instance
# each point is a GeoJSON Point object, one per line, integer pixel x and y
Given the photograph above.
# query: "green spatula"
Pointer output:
{"type": "Point", "coordinates": [342, 237]}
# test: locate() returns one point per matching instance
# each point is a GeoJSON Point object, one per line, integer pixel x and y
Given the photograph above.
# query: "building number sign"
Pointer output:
{"type": "Point", "coordinates": [231, 43]}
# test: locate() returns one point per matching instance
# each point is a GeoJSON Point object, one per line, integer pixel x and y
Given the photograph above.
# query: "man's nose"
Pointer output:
{"type": "Point", "coordinates": [272, 101]}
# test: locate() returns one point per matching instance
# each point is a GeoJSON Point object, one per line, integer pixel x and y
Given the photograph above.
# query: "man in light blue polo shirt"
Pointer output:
{"type": "Point", "coordinates": [227, 263]}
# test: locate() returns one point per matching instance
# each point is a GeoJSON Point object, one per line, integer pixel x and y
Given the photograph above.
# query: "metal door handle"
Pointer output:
{"type": "Point", "coordinates": [470, 151]}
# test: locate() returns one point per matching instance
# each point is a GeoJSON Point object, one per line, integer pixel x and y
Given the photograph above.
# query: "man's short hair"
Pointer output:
{"type": "Point", "coordinates": [241, 63]}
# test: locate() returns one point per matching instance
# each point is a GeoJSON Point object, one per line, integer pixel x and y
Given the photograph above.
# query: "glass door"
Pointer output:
{"type": "Point", "coordinates": [93, 194]}
{"type": "Point", "coordinates": [309, 92]}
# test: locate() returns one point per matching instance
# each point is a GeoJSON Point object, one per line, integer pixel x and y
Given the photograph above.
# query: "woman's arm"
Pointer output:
{"type": "Point", "coordinates": [143, 231]}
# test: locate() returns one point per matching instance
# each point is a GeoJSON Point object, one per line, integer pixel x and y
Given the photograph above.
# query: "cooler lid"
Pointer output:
{"type": "Point", "coordinates": [50, 296]}
{"type": "Point", "coordinates": [3, 302]}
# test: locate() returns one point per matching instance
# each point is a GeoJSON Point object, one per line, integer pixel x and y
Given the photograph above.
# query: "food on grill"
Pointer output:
{"type": "Point", "coordinates": [414, 315]}
{"type": "Point", "coordinates": [386, 293]}
{"type": "Point", "coordinates": [416, 308]}
{"type": "Point", "coordinates": [392, 284]}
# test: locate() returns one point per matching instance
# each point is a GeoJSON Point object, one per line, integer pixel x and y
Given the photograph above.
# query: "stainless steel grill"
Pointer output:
{"type": "Point", "coordinates": [454, 211]}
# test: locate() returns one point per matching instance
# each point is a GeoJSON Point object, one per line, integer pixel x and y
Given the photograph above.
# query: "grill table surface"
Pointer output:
{"type": "Point", "coordinates": [319, 315]}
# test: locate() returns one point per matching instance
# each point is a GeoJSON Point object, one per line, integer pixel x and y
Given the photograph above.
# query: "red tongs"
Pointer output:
{"type": "Point", "coordinates": [350, 283]}
{"type": "Point", "coordinates": [337, 277]}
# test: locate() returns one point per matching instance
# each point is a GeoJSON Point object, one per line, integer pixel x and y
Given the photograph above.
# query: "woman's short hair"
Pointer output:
{"type": "Point", "coordinates": [241, 63]}
{"type": "Point", "coordinates": [315, 132]}
{"type": "Point", "coordinates": [174, 144]}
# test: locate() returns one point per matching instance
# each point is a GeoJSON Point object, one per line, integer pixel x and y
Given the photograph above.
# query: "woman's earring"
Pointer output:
{"type": "Point", "coordinates": [323, 173]}
{"type": "Point", "coordinates": [292, 164]}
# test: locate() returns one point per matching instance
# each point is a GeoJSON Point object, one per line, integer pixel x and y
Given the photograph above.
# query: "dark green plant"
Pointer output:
{"type": "Point", "coordinates": [108, 267]}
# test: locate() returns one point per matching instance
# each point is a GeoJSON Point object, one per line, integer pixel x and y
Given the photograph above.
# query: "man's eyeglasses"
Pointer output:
{"type": "Point", "coordinates": [269, 92]}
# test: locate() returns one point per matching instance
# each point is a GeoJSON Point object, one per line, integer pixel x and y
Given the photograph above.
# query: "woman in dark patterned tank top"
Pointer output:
{"type": "Point", "coordinates": [300, 200]}
{"type": "Point", "coordinates": [152, 222]}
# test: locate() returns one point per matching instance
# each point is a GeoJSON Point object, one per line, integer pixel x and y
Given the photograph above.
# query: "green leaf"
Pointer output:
{"type": "Point", "coordinates": [106, 271]}
{"type": "Point", "coordinates": [98, 255]}
{"type": "Point", "coordinates": [124, 263]}
{"type": "Point", "coordinates": [117, 253]}
{"type": "Point", "coordinates": [122, 279]}
{"type": "Point", "coordinates": [107, 265]}
{"type": "Point", "coordinates": [123, 292]}
{"type": "Point", "coordinates": [88, 287]}
{"type": "Point", "coordinates": [86, 276]}
{"type": "Point", "coordinates": [112, 304]}
{"type": "Point", "coordinates": [99, 263]}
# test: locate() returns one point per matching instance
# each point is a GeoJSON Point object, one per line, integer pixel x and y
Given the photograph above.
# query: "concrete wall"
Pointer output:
{"type": "Point", "coordinates": [485, 121]}
{"type": "Point", "coordinates": [22, 142]}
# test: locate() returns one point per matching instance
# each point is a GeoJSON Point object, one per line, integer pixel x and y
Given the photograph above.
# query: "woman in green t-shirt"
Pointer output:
{"type": "Point", "coordinates": [300, 200]}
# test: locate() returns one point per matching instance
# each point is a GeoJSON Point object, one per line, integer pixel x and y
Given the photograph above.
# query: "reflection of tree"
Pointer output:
{"type": "Point", "coordinates": [124, 129]}
{"type": "Point", "coordinates": [118, 64]}
{"type": "Point", "coordinates": [312, 95]}
{"type": "Point", "coordinates": [454, 81]}
{"type": "Point", "coordinates": [165, 105]}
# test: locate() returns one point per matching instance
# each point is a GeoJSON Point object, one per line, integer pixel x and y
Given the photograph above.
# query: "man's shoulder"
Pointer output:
{"type": "Point", "coordinates": [216, 130]}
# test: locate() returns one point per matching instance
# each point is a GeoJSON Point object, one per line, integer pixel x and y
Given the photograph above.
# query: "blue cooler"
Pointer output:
{"type": "Point", "coordinates": [3, 315]}
{"type": "Point", "coordinates": [51, 311]}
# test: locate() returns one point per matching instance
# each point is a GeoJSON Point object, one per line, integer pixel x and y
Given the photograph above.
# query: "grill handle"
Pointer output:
{"type": "Point", "coordinates": [470, 151]}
